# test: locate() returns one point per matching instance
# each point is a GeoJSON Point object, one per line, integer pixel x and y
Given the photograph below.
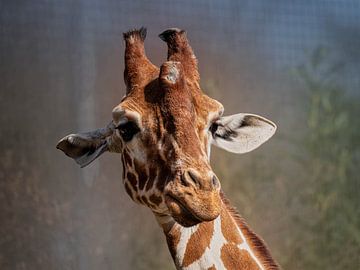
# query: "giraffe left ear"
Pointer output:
{"type": "Point", "coordinates": [242, 133]}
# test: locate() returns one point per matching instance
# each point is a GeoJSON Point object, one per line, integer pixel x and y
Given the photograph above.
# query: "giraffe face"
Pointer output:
{"type": "Point", "coordinates": [165, 146]}
{"type": "Point", "coordinates": [163, 129]}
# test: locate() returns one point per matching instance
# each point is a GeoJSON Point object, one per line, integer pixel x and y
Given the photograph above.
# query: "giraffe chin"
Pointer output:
{"type": "Point", "coordinates": [182, 214]}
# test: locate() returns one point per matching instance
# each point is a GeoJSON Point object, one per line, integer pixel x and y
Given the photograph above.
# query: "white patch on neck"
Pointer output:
{"type": "Point", "coordinates": [212, 254]}
{"type": "Point", "coordinates": [185, 234]}
{"type": "Point", "coordinates": [246, 246]}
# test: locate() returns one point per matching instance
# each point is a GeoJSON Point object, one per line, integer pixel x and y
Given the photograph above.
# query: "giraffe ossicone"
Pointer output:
{"type": "Point", "coordinates": [163, 129]}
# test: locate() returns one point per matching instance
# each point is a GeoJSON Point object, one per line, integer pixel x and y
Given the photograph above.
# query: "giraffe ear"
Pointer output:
{"type": "Point", "coordinates": [84, 148]}
{"type": "Point", "coordinates": [242, 133]}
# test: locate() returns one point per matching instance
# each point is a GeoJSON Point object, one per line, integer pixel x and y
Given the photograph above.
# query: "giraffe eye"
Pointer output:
{"type": "Point", "coordinates": [128, 130]}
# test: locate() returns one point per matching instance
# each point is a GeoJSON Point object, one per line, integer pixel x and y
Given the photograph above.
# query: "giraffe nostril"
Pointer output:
{"type": "Point", "coordinates": [184, 181]}
{"type": "Point", "coordinates": [195, 179]}
{"type": "Point", "coordinates": [189, 178]}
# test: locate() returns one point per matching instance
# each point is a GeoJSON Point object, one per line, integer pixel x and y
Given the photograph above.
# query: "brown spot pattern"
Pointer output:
{"type": "Point", "coordinates": [254, 241]}
{"type": "Point", "coordinates": [132, 179]}
{"type": "Point", "coordinates": [235, 258]}
{"type": "Point", "coordinates": [141, 171]}
{"type": "Point", "coordinates": [152, 175]}
{"type": "Point", "coordinates": [145, 200]}
{"type": "Point", "coordinates": [155, 199]}
{"type": "Point", "coordinates": [229, 228]}
{"type": "Point", "coordinates": [164, 173]}
{"type": "Point", "coordinates": [127, 158]}
{"type": "Point", "coordinates": [212, 267]}
{"type": "Point", "coordinates": [198, 242]}
{"type": "Point", "coordinates": [173, 239]}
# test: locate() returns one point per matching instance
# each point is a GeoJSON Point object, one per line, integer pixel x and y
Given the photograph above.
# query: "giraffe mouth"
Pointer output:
{"type": "Point", "coordinates": [181, 213]}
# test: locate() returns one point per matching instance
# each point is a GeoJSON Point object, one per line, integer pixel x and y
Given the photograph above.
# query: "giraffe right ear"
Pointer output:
{"type": "Point", "coordinates": [84, 148]}
{"type": "Point", "coordinates": [242, 133]}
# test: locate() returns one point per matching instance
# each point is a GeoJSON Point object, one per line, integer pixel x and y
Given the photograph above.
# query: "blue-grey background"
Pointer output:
{"type": "Point", "coordinates": [295, 62]}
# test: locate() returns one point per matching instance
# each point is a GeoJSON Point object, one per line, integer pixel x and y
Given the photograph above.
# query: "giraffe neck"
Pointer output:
{"type": "Point", "coordinates": [224, 243]}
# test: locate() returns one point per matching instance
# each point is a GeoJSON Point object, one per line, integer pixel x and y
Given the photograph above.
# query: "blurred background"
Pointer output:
{"type": "Point", "coordinates": [295, 62]}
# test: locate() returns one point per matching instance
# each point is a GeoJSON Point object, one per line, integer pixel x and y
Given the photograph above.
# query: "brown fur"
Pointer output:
{"type": "Point", "coordinates": [132, 180]}
{"type": "Point", "coordinates": [138, 69]}
{"type": "Point", "coordinates": [198, 242]}
{"type": "Point", "coordinates": [155, 199]}
{"type": "Point", "coordinates": [145, 201]}
{"type": "Point", "coordinates": [255, 242]}
{"type": "Point", "coordinates": [127, 158]}
{"type": "Point", "coordinates": [163, 173]}
{"type": "Point", "coordinates": [152, 175]}
{"type": "Point", "coordinates": [235, 258]}
{"type": "Point", "coordinates": [142, 174]}
{"type": "Point", "coordinates": [173, 239]}
{"type": "Point", "coordinates": [228, 228]}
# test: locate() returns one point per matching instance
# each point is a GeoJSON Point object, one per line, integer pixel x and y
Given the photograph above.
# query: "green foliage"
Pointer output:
{"type": "Point", "coordinates": [307, 186]}
{"type": "Point", "coordinates": [331, 180]}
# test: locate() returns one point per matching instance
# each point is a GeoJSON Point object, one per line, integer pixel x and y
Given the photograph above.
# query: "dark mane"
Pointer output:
{"type": "Point", "coordinates": [255, 242]}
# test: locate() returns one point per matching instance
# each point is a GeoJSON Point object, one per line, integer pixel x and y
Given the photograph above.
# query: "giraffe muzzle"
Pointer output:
{"type": "Point", "coordinates": [193, 199]}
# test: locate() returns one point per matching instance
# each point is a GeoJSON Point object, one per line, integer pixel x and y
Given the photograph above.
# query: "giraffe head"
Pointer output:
{"type": "Point", "coordinates": [163, 129]}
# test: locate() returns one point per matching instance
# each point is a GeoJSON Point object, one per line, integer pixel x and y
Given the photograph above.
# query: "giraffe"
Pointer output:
{"type": "Point", "coordinates": [163, 129]}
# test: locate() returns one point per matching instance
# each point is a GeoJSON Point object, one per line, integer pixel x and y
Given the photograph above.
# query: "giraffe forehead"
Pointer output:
{"type": "Point", "coordinates": [178, 103]}
{"type": "Point", "coordinates": [182, 104]}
